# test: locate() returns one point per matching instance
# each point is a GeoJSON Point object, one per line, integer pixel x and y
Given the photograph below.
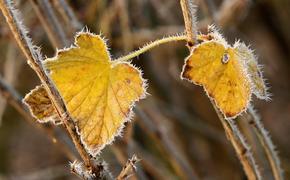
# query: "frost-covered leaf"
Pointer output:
{"type": "Point", "coordinates": [98, 92]}
{"type": "Point", "coordinates": [40, 105]}
{"type": "Point", "coordinates": [229, 74]}
{"type": "Point", "coordinates": [254, 69]}
{"type": "Point", "coordinates": [217, 68]}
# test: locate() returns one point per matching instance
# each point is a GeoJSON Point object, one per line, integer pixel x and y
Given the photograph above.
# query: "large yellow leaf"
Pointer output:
{"type": "Point", "coordinates": [219, 70]}
{"type": "Point", "coordinates": [98, 92]}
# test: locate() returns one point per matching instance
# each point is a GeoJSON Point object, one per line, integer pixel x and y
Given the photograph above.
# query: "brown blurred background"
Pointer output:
{"type": "Point", "coordinates": [175, 130]}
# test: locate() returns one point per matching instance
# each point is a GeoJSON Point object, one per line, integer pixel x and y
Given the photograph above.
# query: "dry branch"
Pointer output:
{"type": "Point", "coordinates": [129, 168]}
{"type": "Point", "coordinates": [265, 140]}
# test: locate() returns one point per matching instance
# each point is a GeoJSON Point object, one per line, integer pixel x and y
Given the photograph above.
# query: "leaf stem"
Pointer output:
{"type": "Point", "coordinates": [151, 45]}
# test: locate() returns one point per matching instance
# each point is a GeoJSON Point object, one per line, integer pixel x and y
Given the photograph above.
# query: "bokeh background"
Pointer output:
{"type": "Point", "coordinates": [175, 130]}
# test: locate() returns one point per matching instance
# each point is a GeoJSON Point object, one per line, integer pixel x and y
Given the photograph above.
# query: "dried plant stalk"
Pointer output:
{"type": "Point", "coordinates": [241, 147]}
{"type": "Point", "coordinates": [129, 168]}
{"type": "Point", "coordinates": [188, 10]}
{"type": "Point", "coordinates": [269, 147]}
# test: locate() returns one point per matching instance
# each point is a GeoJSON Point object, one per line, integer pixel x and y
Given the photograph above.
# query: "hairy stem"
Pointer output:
{"type": "Point", "coordinates": [188, 11]}
{"type": "Point", "coordinates": [151, 45]}
{"type": "Point", "coordinates": [267, 143]}
{"type": "Point", "coordinates": [241, 147]}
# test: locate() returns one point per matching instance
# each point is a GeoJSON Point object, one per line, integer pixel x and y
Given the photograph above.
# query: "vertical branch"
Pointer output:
{"type": "Point", "coordinates": [34, 58]}
{"type": "Point", "coordinates": [241, 147]}
{"type": "Point", "coordinates": [269, 147]}
{"type": "Point", "coordinates": [189, 10]}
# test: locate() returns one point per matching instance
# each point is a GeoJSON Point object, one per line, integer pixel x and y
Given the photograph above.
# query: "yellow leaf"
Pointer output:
{"type": "Point", "coordinates": [259, 87]}
{"type": "Point", "coordinates": [40, 106]}
{"type": "Point", "coordinates": [219, 70]}
{"type": "Point", "coordinates": [98, 92]}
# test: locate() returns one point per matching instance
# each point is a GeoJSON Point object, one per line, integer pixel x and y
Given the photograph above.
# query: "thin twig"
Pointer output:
{"type": "Point", "coordinates": [129, 168]}
{"type": "Point", "coordinates": [34, 59]}
{"type": "Point", "coordinates": [269, 147]}
{"type": "Point", "coordinates": [241, 147]}
{"type": "Point", "coordinates": [188, 10]}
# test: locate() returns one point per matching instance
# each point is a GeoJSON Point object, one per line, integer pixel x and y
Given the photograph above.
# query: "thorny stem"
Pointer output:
{"type": "Point", "coordinates": [34, 60]}
{"type": "Point", "coordinates": [241, 147]}
{"type": "Point", "coordinates": [150, 46]}
{"type": "Point", "coordinates": [267, 143]}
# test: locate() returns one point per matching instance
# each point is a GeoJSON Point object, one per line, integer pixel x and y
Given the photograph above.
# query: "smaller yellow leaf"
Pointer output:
{"type": "Point", "coordinates": [259, 87]}
{"type": "Point", "coordinates": [219, 71]}
{"type": "Point", "coordinates": [229, 74]}
{"type": "Point", "coordinates": [40, 105]}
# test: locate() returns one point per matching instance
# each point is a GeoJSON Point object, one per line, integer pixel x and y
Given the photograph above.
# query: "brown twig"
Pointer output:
{"type": "Point", "coordinates": [265, 140]}
{"type": "Point", "coordinates": [241, 147]}
{"type": "Point", "coordinates": [34, 59]}
{"type": "Point", "coordinates": [188, 10]}
{"type": "Point", "coordinates": [129, 168]}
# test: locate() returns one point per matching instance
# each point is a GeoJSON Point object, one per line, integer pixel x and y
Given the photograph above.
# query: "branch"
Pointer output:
{"type": "Point", "coordinates": [34, 59]}
{"type": "Point", "coordinates": [129, 168]}
{"type": "Point", "coordinates": [241, 147]}
{"type": "Point", "coordinates": [265, 140]}
{"type": "Point", "coordinates": [189, 10]}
